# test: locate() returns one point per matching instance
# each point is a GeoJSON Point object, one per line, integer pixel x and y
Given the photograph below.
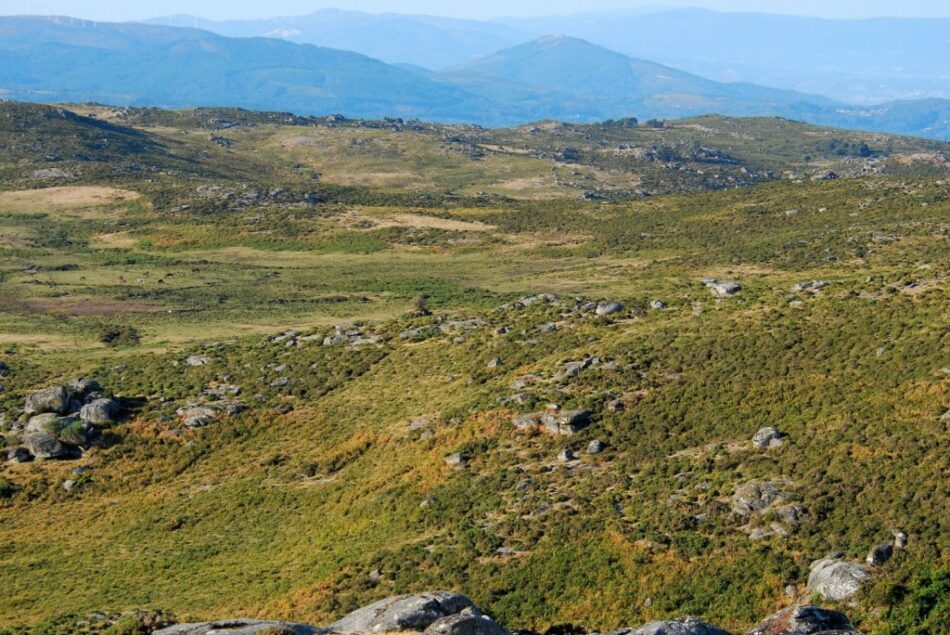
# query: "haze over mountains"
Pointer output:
{"type": "Point", "coordinates": [856, 61]}
{"type": "Point", "coordinates": [550, 77]}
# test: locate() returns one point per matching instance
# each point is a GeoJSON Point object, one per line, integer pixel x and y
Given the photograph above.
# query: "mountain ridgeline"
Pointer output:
{"type": "Point", "coordinates": [554, 77]}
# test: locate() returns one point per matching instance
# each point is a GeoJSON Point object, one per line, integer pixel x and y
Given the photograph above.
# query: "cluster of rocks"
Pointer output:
{"type": "Point", "coordinates": [768, 437]}
{"type": "Point", "coordinates": [443, 326]}
{"type": "Point", "coordinates": [293, 339]}
{"type": "Point", "coordinates": [60, 422]}
{"type": "Point", "coordinates": [350, 335]}
{"type": "Point", "coordinates": [837, 579]}
{"type": "Point", "coordinates": [810, 286]}
{"type": "Point", "coordinates": [755, 498]}
{"type": "Point", "coordinates": [242, 197]}
{"type": "Point", "coordinates": [443, 613]}
{"type": "Point", "coordinates": [198, 413]}
{"type": "Point", "coordinates": [556, 422]}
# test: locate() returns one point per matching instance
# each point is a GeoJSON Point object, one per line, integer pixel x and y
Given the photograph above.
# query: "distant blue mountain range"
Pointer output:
{"type": "Point", "coordinates": [552, 77]}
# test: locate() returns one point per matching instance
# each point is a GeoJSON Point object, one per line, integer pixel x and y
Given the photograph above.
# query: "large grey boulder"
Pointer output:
{"type": "Point", "coordinates": [83, 386]}
{"type": "Point", "coordinates": [527, 422]}
{"type": "Point", "coordinates": [44, 434]}
{"type": "Point", "coordinates": [100, 411]}
{"type": "Point", "coordinates": [608, 308]}
{"type": "Point", "coordinates": [756, 496]}
{"type": "Point", "coordinates": [879, 555]}
{"type": "Point", "coordinates": [836, 579]}
{"type": "Point", "coordinates": [197, 416]}
{"type": "Point", "coordinates": [241, 627]}
{"type": "Point", "coordinates": [567, 422]}
{"type": "Point", "coordinates": [54, 399]}
{"type": "Point", "coordinates": [402, 613]}
{"type": "Point", "coordinates": [681, 626]}
{"type": "Point", "coordinates": [470, 621]}
{"type": "Point", "coordinates": [767, 437]}
{"type": "Point", "coordinates": [803, 620]}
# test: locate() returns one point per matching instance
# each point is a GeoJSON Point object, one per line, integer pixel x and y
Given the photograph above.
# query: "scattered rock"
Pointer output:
{"type": "Point", "coordinates": [241, 627]}
{"type": "Point", "coordinates": [566, 455]}
{"type": "Point", "coordinates": [20, 454]}
{"type": "Point", "coordinates": [608, 308]}
{"type": "Point", "coordinates": [803, 620]}
{"type": "Point", "coordinates": [197, 360]}
{"type": "Point", "coordinates": [880, 554]}
{"type": "Point", "coordinates": [197, 416]}
{"type": "Point", "coordinates": [402, 613]}
{"type": "Point", "coordinates": [836, 579]}
{"type": "Point", "coordinates": [565, 423]}
{"type": "Point", "coordinates": [550, 327]}
{"type": "Point", "coordinates": [100, 411]}
{"type": "Point", "coordinates": [50, 436]}
{"type": "Point", "coordinates": [811, 286]}
{"type": "Point", "coordinates": [495, 362]}
{"type": "Point", "coordinates": [470, 621]}
{"type": "Point", "coordinates": [571, 369]}
{"type": "Point", "coordinates": [682, 626]}
{"type": "Point", "coordinates": [595, 447]}
{"type": "Point", "coordinates": [55, 399]}
{"type": "Point", "coordinates": [756, 496]}
{"type": "Point", "coordinates": [900, 539]}
{"type": "Point", "coordinates": [720, 288]}
{"type": "Point", "coordinates": [455, 459]}
{"type": "Point", "coordinates": [767, 437]}
{"type": "Point", "coordinates": [658, 305]}
{"type": "Point", "coordinates": [527, 422]}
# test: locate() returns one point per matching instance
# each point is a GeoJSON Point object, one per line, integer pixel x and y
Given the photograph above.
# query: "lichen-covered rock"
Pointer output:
{"type": "Point", "coordinates": [527, 422]}
{"type": "Point", "coordinates": [100, 411]}
{"type": "Point", "coordinates": [54, 399]}
{"type": "Point", "coordinates": [241, 627]}
{"type": "Point", "coordinates": [608, 308]}
{"type": "Point", "coordinates": [836, 579]}
{"type": "Point", "coordinates": [756, 496]}
{"type": "Point", "coordinates": [803, 620]}
{"type": "Point", "coordinates": [567, 422]}
{"type": "Point", "coordinates": [767, 437]}
{"type": "Point", "coordinates": [469, 621]}
{"type": "Point", "coordinates": [402, 613]}
{"type": "Point", "coordinates": [721, 288]}
{"type": "Point", "coordinates": [682, 626]}
{"type": "Point", "coordinates": [197, 416]}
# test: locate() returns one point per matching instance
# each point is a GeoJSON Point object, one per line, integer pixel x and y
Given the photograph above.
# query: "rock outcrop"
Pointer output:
{"type": "Point", "coordinates": [835, 579]}
{"type": "Point", "coordinates": [241, 627]}
{"type": "Point", "coordinates": [804, 620]}
{"type": "Point", "coordinates": [469, 621]}
{"type": "Point", "coordinates": [403, 613]}
{"type": "Point", "coordinates": [444, 613]}
{"type": "Point", "coordinates": [756, 496]}
{"type": "Point", "coordinates": [682, 626]}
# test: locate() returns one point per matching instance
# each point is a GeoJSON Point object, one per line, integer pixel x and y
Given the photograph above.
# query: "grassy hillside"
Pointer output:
{"type": "Point", "coordinates": [335, 464]}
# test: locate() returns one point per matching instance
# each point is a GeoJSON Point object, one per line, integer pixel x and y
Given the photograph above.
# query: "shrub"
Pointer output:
{"type": "Point", "coordinates": [120, 336]}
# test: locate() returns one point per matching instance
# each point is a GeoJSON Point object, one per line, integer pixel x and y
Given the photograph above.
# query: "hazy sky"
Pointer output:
{"type": "Point", "coordinates": [221, 9]}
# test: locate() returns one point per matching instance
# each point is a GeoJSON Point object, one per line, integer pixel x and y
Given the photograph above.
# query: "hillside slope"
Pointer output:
{"type": "Point", "coordinates": [360, 358]}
